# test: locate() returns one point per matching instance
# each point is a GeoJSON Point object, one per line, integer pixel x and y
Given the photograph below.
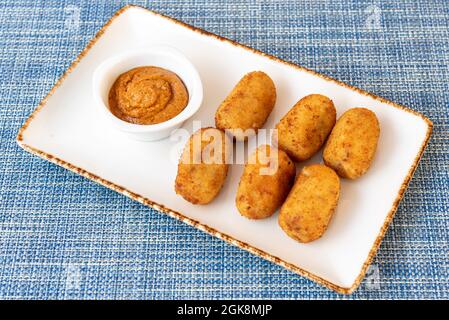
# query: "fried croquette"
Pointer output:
{"type": "Point", "coordinates": [304, 129]}
{"type": "Point", "coordinates": [247, 107]}
{"type": "Point", "coordinates": [309, 207]}
{"type": "Point", "coordinates": [266, 180]}
{"type": "Point", "coordinates": [352, 143]}
{"type": "Point", "coordinates": [203, 166]}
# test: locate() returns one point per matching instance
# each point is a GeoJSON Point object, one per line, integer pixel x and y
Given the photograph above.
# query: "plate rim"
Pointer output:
{"type": "Point", "coordinates": [204, 227]}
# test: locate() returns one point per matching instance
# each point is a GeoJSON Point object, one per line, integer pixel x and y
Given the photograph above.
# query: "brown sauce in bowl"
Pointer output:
{"type": "Point", "coordinates": [147, 95]}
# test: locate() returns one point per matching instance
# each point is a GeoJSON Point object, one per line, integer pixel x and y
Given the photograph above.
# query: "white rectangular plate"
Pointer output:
{"type": "Point", "coordinates": [65, 129]}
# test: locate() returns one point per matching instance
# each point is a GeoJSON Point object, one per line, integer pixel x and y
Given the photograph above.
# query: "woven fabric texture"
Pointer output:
{"type": "Point", "coordinates": [62, 236]}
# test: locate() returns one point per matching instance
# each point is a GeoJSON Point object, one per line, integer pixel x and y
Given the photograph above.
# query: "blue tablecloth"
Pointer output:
{"type": "Point", "coordinates": [62, 236]}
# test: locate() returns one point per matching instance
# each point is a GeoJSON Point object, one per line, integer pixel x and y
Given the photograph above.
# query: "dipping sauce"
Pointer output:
{"type": "Point", "coordinates": [147, 95]}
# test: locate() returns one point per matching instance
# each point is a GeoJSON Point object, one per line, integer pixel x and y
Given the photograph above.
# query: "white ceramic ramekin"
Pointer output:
{"type": "Point", "coordinates": [160, 56]}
